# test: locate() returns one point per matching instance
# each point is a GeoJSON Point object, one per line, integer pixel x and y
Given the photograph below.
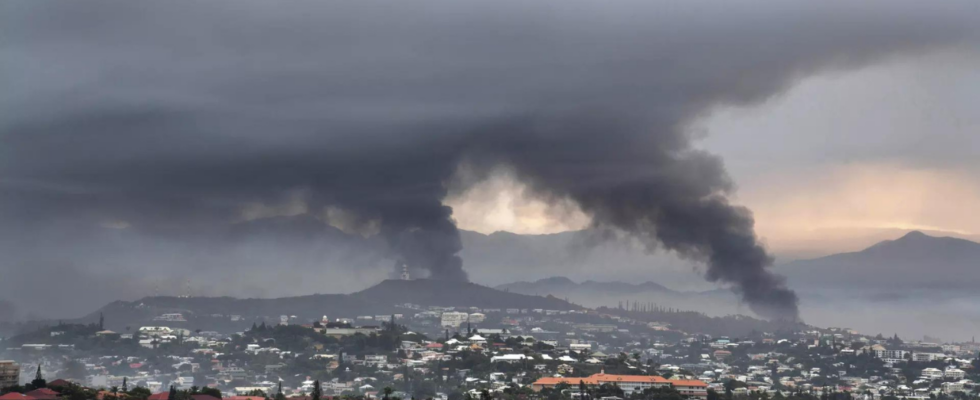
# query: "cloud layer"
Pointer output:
{"type": "Point", "coordinates": [173, 117]}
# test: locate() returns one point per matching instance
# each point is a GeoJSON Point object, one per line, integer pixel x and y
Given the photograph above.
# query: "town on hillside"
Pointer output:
{"type": "Point", "coordinates": [633, 351]}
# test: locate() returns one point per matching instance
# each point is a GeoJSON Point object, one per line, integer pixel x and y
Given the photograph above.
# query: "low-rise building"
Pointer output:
{"type": "Point", "coordinates": [691, 388]}
{"type": "Point", "coordinates": [954, 373]}
{"type": "Point", "coordinates": [629, 383]}
{"type": "Point", "coordinates": [932, 373]}
{"type": "Point", "coordinates": [453, 319]}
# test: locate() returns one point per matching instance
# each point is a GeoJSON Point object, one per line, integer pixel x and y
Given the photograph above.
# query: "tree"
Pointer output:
{"type": "Point", "coordinates": [124, 386]}
{"type": "Point", "coordinates": [12, 389]}
{"type": "Point", "coordinates": [316, 390]}
{"type": "Point", "coordinates": [139, 392]}
{"type": "Point", "coordinates": [173, 393]}
{"type": "Point", "coordinates": [210, 391]}
{"type": "Point", "coordinates": [39, 381]}
{"type": "Point", "coordinates": [387, 391]}
{"type": "Point", "coordinates": [279, 395]}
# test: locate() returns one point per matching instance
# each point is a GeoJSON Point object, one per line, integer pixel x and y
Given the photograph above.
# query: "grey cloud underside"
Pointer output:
{"type": "Point", "coordinates": [172, 116]}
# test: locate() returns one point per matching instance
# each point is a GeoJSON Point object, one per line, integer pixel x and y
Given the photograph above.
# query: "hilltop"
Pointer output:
{"type": "Point", "coordinates": [428, 292]}
{"type": "Point", "coordinates": [913, 261]}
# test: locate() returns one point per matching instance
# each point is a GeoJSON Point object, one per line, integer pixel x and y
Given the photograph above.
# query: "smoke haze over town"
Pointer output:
{"type": "Point", "coordinates": [266, 150]}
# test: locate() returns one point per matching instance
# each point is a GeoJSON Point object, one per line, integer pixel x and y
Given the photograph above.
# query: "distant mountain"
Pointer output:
{"type": "Point", "coordinates": [434, 292]}
{"type": "Point", "coordinates": [381, 299]}
{"type": "Point", "coordinates": [503, 257]}
{"type": "Point", "coordinates": [915, 261]}
{"type": "Point", "coordinates": [560, 284]}
{"type": "Point", "coordinates": [612, 294]}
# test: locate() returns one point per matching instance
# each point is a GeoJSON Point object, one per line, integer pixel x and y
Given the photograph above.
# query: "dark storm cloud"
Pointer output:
{"type": "Point", "coordinates": [173, 116]}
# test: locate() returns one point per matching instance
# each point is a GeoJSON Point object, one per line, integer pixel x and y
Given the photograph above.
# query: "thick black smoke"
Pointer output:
{"type": "Point", "coordinates": [643, 179]}
{"type": "Point", "coordinates": [170, 117]}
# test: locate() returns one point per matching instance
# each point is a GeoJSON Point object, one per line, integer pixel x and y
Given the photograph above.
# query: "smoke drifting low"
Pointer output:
{"type": "Point", "coordinates": [178, 117]}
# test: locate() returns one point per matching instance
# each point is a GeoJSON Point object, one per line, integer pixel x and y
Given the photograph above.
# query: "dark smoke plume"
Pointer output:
{"type": "Point", "coordinates": [169, 120]}
{"type": "Point", "coordinates": [643, 179]}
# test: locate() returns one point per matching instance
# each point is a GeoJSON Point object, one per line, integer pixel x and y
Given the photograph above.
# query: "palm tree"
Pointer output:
{"type": "Point", "coordinates": [387, 391]}
{"type": "Point", "coordinates": [115, 391]}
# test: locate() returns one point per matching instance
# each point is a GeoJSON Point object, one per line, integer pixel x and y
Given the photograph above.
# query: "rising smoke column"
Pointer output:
{"type": "Point", "coordinates": [641, 176]}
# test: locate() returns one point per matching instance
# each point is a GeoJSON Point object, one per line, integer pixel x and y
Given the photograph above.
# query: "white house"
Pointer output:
{"type": "Point", "coordinates": [954, 373]}
{"type": "Point", "coordinates": [508, 358]}
{"type": "Point", "coordinates": [932, 374]}
{"type": "Point", "coordinates": [950, 387]}
{"type": "Point", "coordinates": [453, 319]}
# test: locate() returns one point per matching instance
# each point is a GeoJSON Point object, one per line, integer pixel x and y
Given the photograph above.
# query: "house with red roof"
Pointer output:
{"type": "Point", "coordinates": [16, 396]}
{"type": "Point", "coordinates": [166, 396]}
{"type": "Point", "coordinates": [43, 394]}
{"type": "Point", "coordinates": [59, 383]}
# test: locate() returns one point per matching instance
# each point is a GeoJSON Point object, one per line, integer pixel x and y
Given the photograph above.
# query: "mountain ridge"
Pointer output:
{"type": "Point", "coordinates": [623, 287]}
{"type": "Point", "coordinates": [384, 298]}
{"type": "Point", "coordinates": [914, 261]}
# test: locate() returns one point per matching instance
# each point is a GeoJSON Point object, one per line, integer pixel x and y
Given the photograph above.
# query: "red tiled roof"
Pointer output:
{"type": "Point", "coordinates": [159, 396]}
{"type": "Point", "coordinates": [58, 383]}
{"type": "Point", "coordinates": [105, 394]}
{"type": "Point", "coordinates": [15, 396]}
{"type": "Point", "coordinates": [43, 394]}
{"type": "Point", "coordinates": [166, 396]}
{"type": "Point", "coordinates": [42, 391]}
{"type": "Point", "coordinates": [598, 379]}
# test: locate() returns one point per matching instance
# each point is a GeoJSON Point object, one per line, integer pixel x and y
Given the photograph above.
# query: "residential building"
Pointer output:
{"type": "Point", "coordinates": [884, 353]}
{"type": "Point", "coordinates": [43, 394]}
{"type": "Point", "coordinates": [174, 317]}
{"type": "Point", "coordinates": [151, 331]}
{"type": "Point", "coordinates": [932, 373]}
{"type": "Point", "coordinates": [954, 373]}
{"type": "Point", "coordinates": [691, 388]}
{"type": "Point", "coordinates": [453, 319]}
{"type": "Point", "coordinates": [950, 387]}
{"type": "Point", "coordinates": [477, 318]}
{"type": "Point", "coordinates": [926, 357]}
{"type": "Point", "coordinates": [629, 383]}
{"type": "Point", "coordinates": [9, 373]}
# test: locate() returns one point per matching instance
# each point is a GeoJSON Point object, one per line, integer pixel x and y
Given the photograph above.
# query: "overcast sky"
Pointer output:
{"type": "Point", "coordinates": [142, 143]}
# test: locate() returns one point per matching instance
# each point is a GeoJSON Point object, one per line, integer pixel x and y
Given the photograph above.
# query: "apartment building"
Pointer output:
{"type": "Point", "coordinates": [9, 373]}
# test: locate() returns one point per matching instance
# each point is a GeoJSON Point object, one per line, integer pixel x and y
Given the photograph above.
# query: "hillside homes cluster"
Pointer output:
{"type": "Point", "coordinates": [448, 352]}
